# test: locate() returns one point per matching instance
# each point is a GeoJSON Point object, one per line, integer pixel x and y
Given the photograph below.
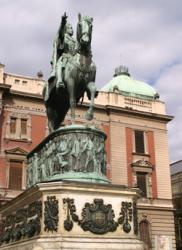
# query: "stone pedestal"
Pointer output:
{"type": "Point", "coordinates": [70, 203]}
{"type": "Point", "coordinates": [72, 215]}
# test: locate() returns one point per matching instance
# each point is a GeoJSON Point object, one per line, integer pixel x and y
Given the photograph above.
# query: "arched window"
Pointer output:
{"type": "Point", "coordinates": [144, 228]}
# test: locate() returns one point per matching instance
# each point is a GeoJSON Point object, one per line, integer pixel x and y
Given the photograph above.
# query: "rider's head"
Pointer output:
{"type": "Point", "coordinates": [69, 29]}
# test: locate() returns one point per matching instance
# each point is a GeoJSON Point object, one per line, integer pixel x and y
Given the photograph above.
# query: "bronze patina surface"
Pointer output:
{"type": "Point", "coordinates": [73, 72]}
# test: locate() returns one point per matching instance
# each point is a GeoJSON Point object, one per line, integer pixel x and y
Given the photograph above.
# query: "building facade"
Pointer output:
{"type": "Point", "coordinates": [23, 126]}
{"type": "Point", "coordinates": [176, 182]}
{"type": "Point", "coordinates": [134, 119]}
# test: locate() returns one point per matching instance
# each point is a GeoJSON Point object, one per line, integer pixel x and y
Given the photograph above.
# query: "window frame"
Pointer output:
{"type": "Point", "coordinates": [15, 125]}
{"type": "Point", "coordinates": [148, 176]}
{"type": "Point", "coordinates": [9, 176]}
{"type": "Point", "coordinates": [16, 155]}
{"type": "Point", "coordinates": [143, 166]}
{"type": "Point", "coordinates": [18, 135]}
{"type": "Point", "coordinates": [17, 81]}
{"type": "Point", "coordinates": [22, 134]}
{"type": "Point", "coordinates": [145, 142]}
{"type": "Point", "coordinates": [144, 193]}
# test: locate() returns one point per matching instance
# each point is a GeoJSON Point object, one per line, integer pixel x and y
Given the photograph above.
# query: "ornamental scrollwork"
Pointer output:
{"type": "Point", "coordinates": [142, 163]}
{"type": "Point", "coordinates": [126, 216]}
{"type": "Point", "coordinates": [24, 223]}
{"type": "Point", "coordinates": [71, 214]}
{"type": "Point", "coordinates": [135, 218]}
{"type": "Point", "coordinates": [51, 214]}
{"type": "Point", "coordinates": [97, 217]}
{"type": "Point", "coordinates": [35, 208]}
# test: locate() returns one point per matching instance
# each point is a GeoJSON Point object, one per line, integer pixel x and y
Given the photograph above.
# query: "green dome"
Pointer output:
{"type": "Point", "coordinates": [123, 84]}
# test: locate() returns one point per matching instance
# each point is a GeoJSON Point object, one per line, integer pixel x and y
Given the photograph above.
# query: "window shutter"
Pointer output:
{"type": "Point", "coordinates": [15, 175]}
{"type": "Point", "coordinates": [139, 142]}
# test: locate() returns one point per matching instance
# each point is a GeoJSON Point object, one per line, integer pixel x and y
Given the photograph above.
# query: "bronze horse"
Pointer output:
{"type": "Point", "coordinates": [78, 77]}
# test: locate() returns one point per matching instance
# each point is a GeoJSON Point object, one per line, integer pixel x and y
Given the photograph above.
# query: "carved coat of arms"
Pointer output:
{"type": "Point", "coordinates": [98, 218]}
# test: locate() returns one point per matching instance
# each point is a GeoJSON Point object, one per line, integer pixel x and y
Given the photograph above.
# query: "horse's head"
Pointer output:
{"type": "Point", "coordinates": [84, 31]}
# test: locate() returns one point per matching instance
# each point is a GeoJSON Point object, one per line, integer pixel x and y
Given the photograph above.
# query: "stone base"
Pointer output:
{"type": "Point", "coordinates": [62, 243]}
{"type": "Point", "coordinates": [72, 215]}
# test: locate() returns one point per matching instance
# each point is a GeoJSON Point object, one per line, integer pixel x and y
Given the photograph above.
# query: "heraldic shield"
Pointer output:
{"type": "Point", "coordinates": [98, 218]}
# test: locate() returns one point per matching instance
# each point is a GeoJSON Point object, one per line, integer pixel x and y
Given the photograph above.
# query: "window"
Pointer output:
{"type": "Point", "coordinates": [177, 202]}
{"type": "Point", "coordinates": [142, 176]}
{"type": "Point", "coordinates": [24, 82]}
{"type": "Point", "coordinates": [23, 127]}
{"type": "Point", "coordinates": [141, 182]}
{"type": "Point", "coordinates": [13, 125]}
{"type": "Point", "coordinates": [17, 81]}
{"type": "Point", "coordinates": [15, 175]}
{"type": "Point", "coordinates": [139, 142]}
{"type": "Point", "coordinates": [144, 228]}
{"type": "Point", "coordinates": [19, 127]}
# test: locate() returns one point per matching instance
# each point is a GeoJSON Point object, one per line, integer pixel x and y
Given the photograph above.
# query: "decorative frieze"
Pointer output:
{"type": "Point", "coordinates": [73, 152]}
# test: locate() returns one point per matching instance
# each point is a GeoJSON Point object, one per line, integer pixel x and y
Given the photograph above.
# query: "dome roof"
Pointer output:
{"type": "Point", "coordinates": [123, 84]}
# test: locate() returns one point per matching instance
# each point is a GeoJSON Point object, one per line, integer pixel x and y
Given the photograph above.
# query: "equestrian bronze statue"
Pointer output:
{"type": "Point", "coordinates": [73, 72]}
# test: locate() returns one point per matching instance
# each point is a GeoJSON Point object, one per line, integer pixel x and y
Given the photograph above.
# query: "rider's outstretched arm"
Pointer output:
{"type": "Point", "coordinates": [61, 30]}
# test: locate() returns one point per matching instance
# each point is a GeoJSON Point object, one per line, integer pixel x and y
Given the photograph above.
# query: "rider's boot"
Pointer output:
{"type": "Point", "coordinates": [60, 83]}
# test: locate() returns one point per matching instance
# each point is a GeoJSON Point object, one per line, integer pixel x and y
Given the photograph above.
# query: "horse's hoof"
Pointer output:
{"type": "Point", "coordinates": [89, 116]}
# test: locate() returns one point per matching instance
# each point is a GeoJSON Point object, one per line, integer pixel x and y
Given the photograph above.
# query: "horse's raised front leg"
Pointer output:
{"type": "Point", "coordinates": [72, 100]}
{"type": "Point", "coordinates": [91, 92]}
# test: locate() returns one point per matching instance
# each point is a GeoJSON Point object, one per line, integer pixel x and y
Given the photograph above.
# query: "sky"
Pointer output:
{"type": "Point", "coordinates": [144, 35]}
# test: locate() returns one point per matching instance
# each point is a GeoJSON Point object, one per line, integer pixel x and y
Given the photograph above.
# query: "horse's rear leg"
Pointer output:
{"type": "Point", "coordinates": [51, 115]}
{"type": "Point", "coordinates": [91, 90]}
